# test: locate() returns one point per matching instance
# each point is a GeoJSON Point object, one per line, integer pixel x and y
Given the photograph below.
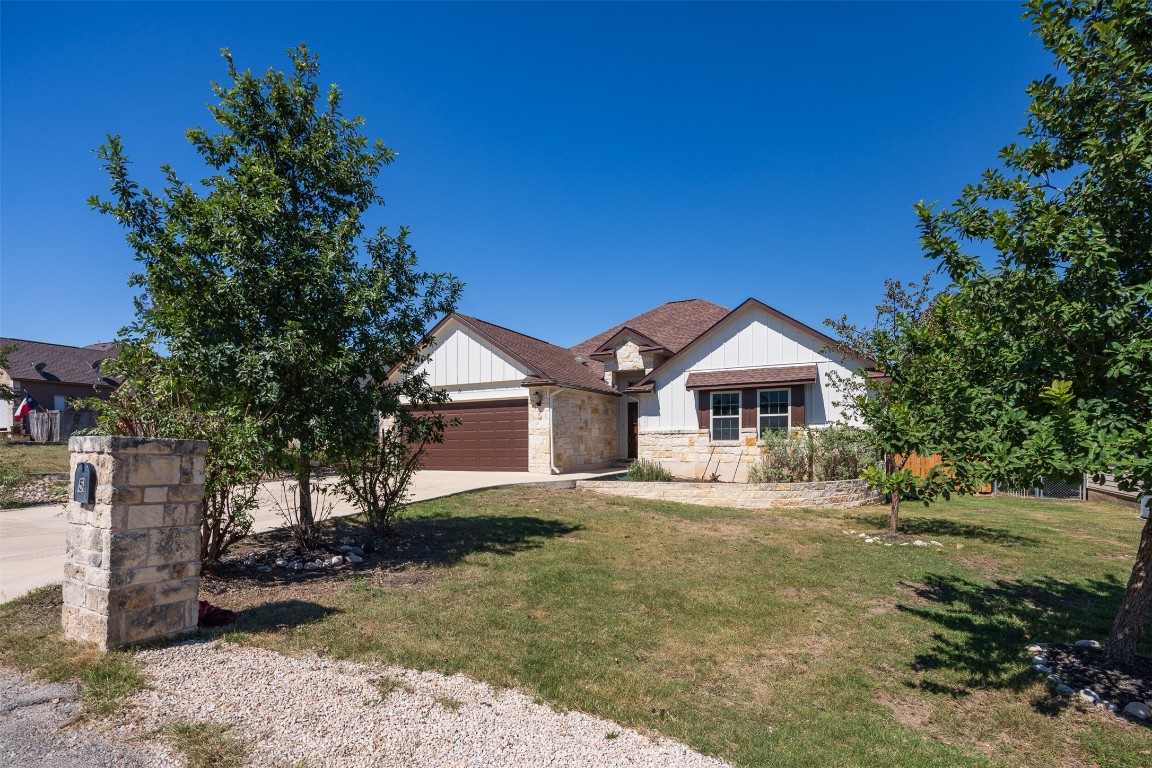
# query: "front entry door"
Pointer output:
{"type": "Point", "coordinates": [633, 429]}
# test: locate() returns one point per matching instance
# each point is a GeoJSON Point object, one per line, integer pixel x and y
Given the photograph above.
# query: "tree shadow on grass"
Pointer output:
{"type": "Point", "coordinates": [277, 616]}
{"type": "Point", "coordinates": [984, 627]}
{"type": "Point", "coordinates": [444, 541]}
{"type": "Point", "coordinates": [927, 526]}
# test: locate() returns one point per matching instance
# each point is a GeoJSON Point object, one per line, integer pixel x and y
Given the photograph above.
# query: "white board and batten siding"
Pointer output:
{"type": "Point", "coordinates": [470, 368]}
{"type": "Point", "coordinates": [752, 338]}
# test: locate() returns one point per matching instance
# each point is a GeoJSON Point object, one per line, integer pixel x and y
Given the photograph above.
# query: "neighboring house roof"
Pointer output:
{"type": "Point", "coordinates": [58, 363]}
{"type": "Point", "coordinates": [550, 364]}
{"type": "Point", "coordinates": [752, 377]}
{"type": "Point", "coordinates": [647, 383]}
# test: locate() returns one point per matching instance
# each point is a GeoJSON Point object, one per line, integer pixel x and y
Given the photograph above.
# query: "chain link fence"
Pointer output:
{"type": "Point", "coordinates": [1045, 489]}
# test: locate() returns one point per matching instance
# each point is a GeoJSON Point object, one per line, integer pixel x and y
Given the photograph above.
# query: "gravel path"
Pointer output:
{"type": "Point", "coordinates": [342, 715]}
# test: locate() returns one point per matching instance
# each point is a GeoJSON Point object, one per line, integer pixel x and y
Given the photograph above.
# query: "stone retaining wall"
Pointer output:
{"type": "Point", "coordinates": [690, 453]}
{"type": "Point", "coordinates": [831, 494]}
{"type": "Point", "coordinates": [132, 569]}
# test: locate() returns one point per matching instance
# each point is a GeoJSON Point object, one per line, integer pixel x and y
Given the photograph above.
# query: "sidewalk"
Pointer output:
{"type": "Point", "coordinates": [32, 538]}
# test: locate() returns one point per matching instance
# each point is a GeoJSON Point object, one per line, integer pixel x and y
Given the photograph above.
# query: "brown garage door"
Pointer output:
{"type": "Point", "coordinates": [492, 435]}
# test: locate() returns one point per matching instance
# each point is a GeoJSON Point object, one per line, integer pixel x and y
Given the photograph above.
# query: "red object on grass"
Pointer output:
{"type": "Point", "coordinates": [211, 616]}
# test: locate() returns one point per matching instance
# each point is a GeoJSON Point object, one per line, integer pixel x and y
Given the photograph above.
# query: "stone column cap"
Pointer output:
{"type": "Point", "coordinates": [121, 443]}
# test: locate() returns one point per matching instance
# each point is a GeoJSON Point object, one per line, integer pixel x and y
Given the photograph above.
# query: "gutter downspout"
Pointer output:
{"type": "Point", "coordinates": [552, 432]}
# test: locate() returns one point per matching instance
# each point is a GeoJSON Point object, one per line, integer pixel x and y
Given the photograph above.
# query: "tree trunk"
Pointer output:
{"type": "Point", "coordinates": [304, 481]}
{"type": "Point", "coordinates": [891, 468]}
{"type": "Point", "coordinates": [1129, 623]}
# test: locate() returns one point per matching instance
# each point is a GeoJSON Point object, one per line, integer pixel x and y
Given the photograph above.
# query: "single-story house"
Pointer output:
{"type": "Point", "coordinates": [688, 384]}
{"type": "Point", "coordinates": [54, 374]}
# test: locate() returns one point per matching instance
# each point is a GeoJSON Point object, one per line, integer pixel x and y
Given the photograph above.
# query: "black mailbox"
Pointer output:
{"type": "Point", "coordinates": [84, 484]}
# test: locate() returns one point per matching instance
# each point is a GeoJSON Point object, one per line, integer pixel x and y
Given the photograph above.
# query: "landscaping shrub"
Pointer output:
{"type": "Point", "coordinates": [843, 452]}
{"type": "Point", "coordinates": [838, 452]}
{"type": "Point", "coordinates": [647, 471]}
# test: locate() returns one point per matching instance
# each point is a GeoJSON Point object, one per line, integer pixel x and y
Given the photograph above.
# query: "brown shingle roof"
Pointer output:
{"type": "Point", "coordinates": [550, 364]}
{"type": "Point", "coordinates": [672, 325]}
{"type": "Point", "coordinates": [63, 364]}
{"type": "Point", "coordinates": [752, 377]}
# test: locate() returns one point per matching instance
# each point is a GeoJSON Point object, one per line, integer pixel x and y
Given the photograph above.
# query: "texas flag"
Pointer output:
{"type": "Point", "coordinates": [27, 404]}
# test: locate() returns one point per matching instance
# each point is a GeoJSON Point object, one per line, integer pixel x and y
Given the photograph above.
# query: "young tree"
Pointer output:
{"type": "Point", "coordinates": [1051, 259]}
{"type": "Point", "coordinates": [905, 400]}
{"type": "Point", "coordinates": [260, 281]}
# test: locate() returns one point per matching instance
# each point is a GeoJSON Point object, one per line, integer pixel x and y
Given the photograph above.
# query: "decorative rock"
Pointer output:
{"type": "Point", "coordinates": [1041, 669]}
{"type": "Point", "coordinates": [1087, 644]}
{"type": "Point", "coordinates": [1089, 697]}
{"type": "Point", "coordinates": [1111, 707]}
{"type": "Point", "coordinates": [356, 551]}
{"type": "Point", "coordinates": [887, 544]}
{"type": "Point", "coordinates": [297, 566]}
{"type": "Point", "coordinates": [281, 563]}
{"type": "Point", "coordinates": [1034, 648]}
{"type": "Point", "coordinates": [264, 569]}
{"type": "Point", "coordinates": [1039, 659]}
{"type": "Point", "coordinates": [354, 558]}
{"type": "Point", "coordinates": [309, 566]}
{"type": "Point", "coordinates": [1138, 710]}
{"type": "Point", "coordinates": [863, 535]}
{"type": "Point", "coordinates": [869, 540]}
{"type": "Point", "coordinates": [337, 560]}
{"type": "Point", "coordinates": [1054, 679]}
{"type": "Point", "coordinates": [1064, 690]}
{"type": "Point", "coordinates": [919, 543]}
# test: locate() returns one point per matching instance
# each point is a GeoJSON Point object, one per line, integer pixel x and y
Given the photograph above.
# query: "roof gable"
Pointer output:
{"type": "Point", "coordinates": [609, 346]}
{"type": "Point", "coordinates": [548, 363]}
{"type": "Point", "coordinates": [646, 383]}
{"type": "Point", "coordinates": [671, 325]}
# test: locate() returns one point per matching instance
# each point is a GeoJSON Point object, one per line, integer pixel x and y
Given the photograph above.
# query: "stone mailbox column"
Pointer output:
{"type": "Point", "coordinates": [133, 557]}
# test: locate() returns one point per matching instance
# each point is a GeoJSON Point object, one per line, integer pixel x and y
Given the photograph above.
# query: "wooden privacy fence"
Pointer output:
{"type": "Point", "coordinates": [920, 466]}
{"type": "Point", "coordinates": [56, 426]}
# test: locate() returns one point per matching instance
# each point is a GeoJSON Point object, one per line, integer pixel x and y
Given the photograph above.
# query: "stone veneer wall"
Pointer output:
{"type": "Point", "coordinates": [132, 571]}
{"type": "Point", "coordinates": [690, 453]}
{"type": "Point", "coordinates": [831, 494]}
{"type": "Point", "coordinates": [585, 427]}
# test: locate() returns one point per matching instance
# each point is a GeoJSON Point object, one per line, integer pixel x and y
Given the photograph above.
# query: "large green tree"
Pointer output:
{"type": "Point", "coordinates": [260, 281]}
{"type": "Point", "coordinates": [1051, 260]}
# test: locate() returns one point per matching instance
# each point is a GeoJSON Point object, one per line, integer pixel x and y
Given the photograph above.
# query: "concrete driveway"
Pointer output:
{"type": "Point", "coordinates": [32, 538]}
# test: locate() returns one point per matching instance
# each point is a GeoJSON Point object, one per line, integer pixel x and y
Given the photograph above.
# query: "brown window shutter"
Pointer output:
{"type": "Point", "coordinates": [798, 416]}
{"type": "Point", "coordinates": [749, 408]}
{"type": "Point", "coordinates": [703, 408]}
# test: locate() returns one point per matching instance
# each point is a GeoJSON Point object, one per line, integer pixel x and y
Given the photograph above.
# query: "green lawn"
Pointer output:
{"type": "Point", "coordinates": [20, 461]}
{"type": "Point", "coordinates": [767, 639]}
{"type": "Point", "coordinates": [33, 457]}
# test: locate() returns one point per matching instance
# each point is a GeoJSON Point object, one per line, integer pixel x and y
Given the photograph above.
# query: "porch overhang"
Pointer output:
{"type": "Point", "coordinates": [780, 376]}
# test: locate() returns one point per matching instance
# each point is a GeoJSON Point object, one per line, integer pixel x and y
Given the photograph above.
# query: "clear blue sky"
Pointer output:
{"type": "Point", "coordinates": [574, 164]}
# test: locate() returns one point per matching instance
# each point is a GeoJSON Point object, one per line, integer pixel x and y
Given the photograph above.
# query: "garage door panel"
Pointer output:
{"type": "Point", "coordinates": [492, 436]}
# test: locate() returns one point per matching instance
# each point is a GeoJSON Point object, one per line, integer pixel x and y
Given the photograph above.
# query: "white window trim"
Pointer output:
{"type": "Point", "coordinates": [787, 410]}
{"type": "Point", "coordinates": [712, 415]}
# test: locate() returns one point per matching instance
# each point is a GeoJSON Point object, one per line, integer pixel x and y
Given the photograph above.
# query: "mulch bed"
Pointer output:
{"type": "Point", "coordinates": [1083, 667]}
